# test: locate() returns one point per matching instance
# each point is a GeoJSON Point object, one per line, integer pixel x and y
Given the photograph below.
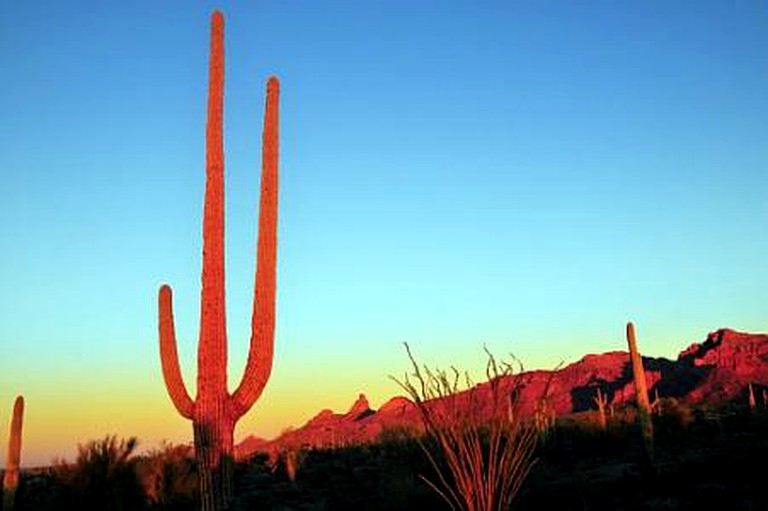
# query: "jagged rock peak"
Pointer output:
{"type": "Point", "coordinates": [360, 406]}
{"type": "Point", "coordinates": [724, 340]}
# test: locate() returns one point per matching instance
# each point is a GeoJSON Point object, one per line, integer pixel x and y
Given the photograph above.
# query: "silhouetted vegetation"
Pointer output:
{"type": "Point", "coordinates": [705, 458]}
{"type": "Point", "coordinates": [104, 476]}
{"type": "Point", "coordinates": [169, 478]}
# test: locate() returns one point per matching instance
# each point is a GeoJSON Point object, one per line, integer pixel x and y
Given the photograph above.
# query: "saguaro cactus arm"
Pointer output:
{"type": "Point", "coordinates": [169, 356]}
{"type": "Point", "coordinates": [259, 364]}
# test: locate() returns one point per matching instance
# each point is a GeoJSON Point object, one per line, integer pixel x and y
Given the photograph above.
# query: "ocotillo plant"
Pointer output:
{"type": "Point", "coordinates": [215, 411]}
{"type": "Point", "coordinates": [641, 393]}
{"type": "Point", "coordinates": [488, 453]}
{"type": "Point", "coordinates": [11, 478]}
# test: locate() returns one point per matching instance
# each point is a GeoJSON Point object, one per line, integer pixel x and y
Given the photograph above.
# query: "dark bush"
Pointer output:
{"type": "Point", "coordinates": [169, 478]}
{"type": "Point", "coordinates": [103, 477]}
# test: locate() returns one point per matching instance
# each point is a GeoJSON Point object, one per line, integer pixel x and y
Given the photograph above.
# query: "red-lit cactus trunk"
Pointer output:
{"type": "Point", "coordinates": [641, 393]}
{"type": "Point", "coordinates": [11, 477]}
{"type": "Point", "coordinates": [215, 411]}
{"type": "Point", "coordinates": [214, 453]}
{"type": "Point", "coordinates": [212, 423]}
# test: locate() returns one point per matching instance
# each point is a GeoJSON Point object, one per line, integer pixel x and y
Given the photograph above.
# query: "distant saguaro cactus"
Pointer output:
{"type": "Point", "coordinates": [600, 401]}
{"type": "Point", "coordinates": [11, 478]}
{"type": "Point", "coordinates": [215, 411]}
{"type": "Point", "coordinates": [641, 392]}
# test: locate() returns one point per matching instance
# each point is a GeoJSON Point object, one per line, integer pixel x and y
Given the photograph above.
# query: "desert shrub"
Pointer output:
{"type": "Point", "coordinates": [398, 434]}
{"type": "Point", "coordinates": [36, 492]}
{"type": "Point", "coordinates": [672, 417]}
{"type": "Point", "coordinates": [578, 436]}
{"type": "Point", "coordinates": [169, 477]}
{"type": "Point", "coordinates": [103, 477]}
{"type": "Point", "coordinates": [287, 461]}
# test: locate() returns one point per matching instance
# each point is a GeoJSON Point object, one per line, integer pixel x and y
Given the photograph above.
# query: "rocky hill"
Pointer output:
{"type": "Point", "coordinates": [716, 371]}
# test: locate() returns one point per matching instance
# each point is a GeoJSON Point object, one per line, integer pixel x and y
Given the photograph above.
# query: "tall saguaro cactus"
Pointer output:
{"type": "Point", "coordinates": [11, 478]}
{"type": "Point", "coordinates": [641, 392]}
{"type": "Point", "coordinates": [215, 410]}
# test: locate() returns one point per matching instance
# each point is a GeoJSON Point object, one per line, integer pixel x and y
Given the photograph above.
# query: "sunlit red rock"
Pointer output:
{"type": "Point", "coordinates": [716, 371]}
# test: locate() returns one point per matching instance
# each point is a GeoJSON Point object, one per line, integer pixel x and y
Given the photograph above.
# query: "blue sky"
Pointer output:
{"type": "Point", "coordinates": [529, 175]}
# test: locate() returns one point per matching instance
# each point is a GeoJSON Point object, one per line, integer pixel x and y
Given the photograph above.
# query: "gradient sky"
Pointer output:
{"type": "Point", "coordinates": [528, 175]}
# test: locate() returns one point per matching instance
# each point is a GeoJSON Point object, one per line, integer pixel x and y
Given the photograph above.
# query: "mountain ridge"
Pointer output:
{"type": "Point", "coordinates": [715, 371]}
